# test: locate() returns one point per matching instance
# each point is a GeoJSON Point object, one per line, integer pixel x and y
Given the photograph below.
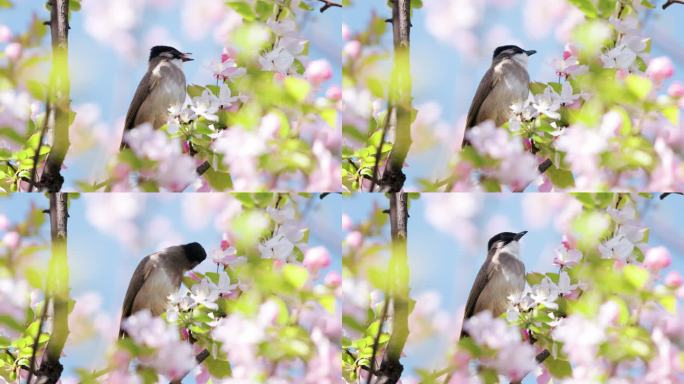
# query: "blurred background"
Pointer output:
{"type": "Point", "coordinates": [447, 241]}
{"type": "Point", "coordinates": [109, 44]}
{"type": "Point", "coordinates": [110, 233]}
{"type": "Point", "coordinates": [452, 42]}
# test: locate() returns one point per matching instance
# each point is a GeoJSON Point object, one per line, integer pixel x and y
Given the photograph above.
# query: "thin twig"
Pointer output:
{"type": "Point", "coordinates": [376, 341]}
{"type": "Point", "coordinates": [43, 316]}
{"type": "Point", "coordinates": [199, 359]}
{"type": "Point", "coordinates": [36, 155]}
{"type": "Point", "coordinates": [328, 4]}
{"type": "Point", "coordinates": [670, 2]}
{"type": "Point", "coordinates": [541, 356]}
{"type": "Point", "coordinates": [378, 151]}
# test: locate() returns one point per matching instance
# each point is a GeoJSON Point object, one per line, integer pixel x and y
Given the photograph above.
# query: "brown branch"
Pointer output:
{"type": "Point", "coordinates": [670, 2]}
{"type": "Point", "coordinates": [378, 151]}
{"type": "Point", "coordinates": [400, 96]}
{"type": "Point", "coordinates": [543, 355]}
{"type": "Point", "coordinates": [391, 368]}
{"type": "Point", "coordinates": [376, 341]}
{"type": "Point", "coordinates": [328, 4]}
{"type": "Point", "coordinates": [199, 359]}
{"type": "Point", "coordinates": [36, 155]}
{"type": "Point", "coordinates": [59, 89]}
{"type": "Point", "coordinates": [57, 289]}
{"type": "Point", "coordinates": [34, 350]}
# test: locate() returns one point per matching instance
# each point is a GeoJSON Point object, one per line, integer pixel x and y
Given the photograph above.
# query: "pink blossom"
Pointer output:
{"type": "Point", "coordinates": [333, 279]}
{"type": "Point", "coordinates": [676, 90]}
{"type": "Point", "coordinates": [657, 258]}
{"type": "Point", "coordinates": [318, 71]}
{"type": "Point", "coordinates": [352, 49]}
{"type": "Point", "coordinates": [5, 34]}
{"type": "Point", "coordinates": [660, 68]}
{"type": "Point", "coordinates": [567, 257]}
{"type": "Point", "coordinates": [268, 313]}
{"type": "Point", "coordinates": [569, 242]}
{"type": "Point", "coordinates": [11, 240]}
{"type": "Point", "coordinates": [13, 51]}
{"type": "Point", "coordinates": [673, 279]}
{"type": "Point", "coordinates": [4, 222]}
{"type": "Point", "coordinates": [611, 122]}
{"type": "Point", "coordinates": [316, 258]}
{"type": "Point", "coordinates": [334, 93]}
{"type": "Point", "coordinates": [347, 223]}
{"type": "Point", "coordinates": [227, 257]}
{"type": "Point", "coordinates": [270, 126]}
{"type": "Point", "coordinates": [354, 239]}
{"type": "Point", "coordinates": [346, 32]}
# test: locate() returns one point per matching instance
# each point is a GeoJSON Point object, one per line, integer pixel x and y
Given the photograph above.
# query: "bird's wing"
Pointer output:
{"type": "Point", "coordinates": [481, 280]}
{"type": "Point", "coordinates": [146, 86]}
{"type": "Point", "coordinates": [141, 274]}
{"type": "Point", "coordinates": [486, 85]}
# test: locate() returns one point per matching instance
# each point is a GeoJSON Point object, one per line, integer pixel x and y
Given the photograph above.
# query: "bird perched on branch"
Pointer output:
{"type": "Point", "coordinates": [157, 276]}
{"type": "Point", "coordinates": [505, 83]}
{"type": "Point", "coordinates": [162, 86]}
{"type": "Point", "coordinates": [501, 275]}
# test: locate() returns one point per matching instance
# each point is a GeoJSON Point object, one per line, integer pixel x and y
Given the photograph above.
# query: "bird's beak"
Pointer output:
{"type": "Point", "coordinates": [186, 57]}
{"type": "Point", "coordinates": [530, 52]}
{"type": "Point", "coordinates": [520, 235]}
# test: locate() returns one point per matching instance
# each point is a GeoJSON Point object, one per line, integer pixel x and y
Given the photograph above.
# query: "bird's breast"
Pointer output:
{"type": "Point", "coordinates": [154, 293]}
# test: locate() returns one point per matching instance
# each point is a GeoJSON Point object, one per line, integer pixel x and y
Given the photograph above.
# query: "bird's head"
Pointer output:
{"type": "Point", "coordinates": [195, 253]}
{"type": "Point", "coordinates": [503, 239]}
{"type": "Point", "coordinates": [512, 52]}
{"type": "Point", "coordinates": [169, 53]}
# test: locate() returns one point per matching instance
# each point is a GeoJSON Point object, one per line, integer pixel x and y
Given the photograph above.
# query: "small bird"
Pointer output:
{"type": "Point", "coordinates": [157, 276]}
{"type": "Point", "coordinates": [501, 275]}
{"type": "Point", "coordinates": [162, 86]}
{"type": "Point", "coordinates": [505, 83]}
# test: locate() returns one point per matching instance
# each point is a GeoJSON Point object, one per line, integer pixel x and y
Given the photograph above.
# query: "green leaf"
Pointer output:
{"type": "Point", "coordinates": [195, 90]}
{"type": "Point", "coordinates": [636, 276]}
{"type": "Point", "coordinates": [639, 86]}
{"type": "Point", "coordinates": [295, 275]}
{"type": "Point", "coordinates": [217, 368]}
{"type": "Point", "coordinates": [6, 4]}
{"type": "Point", "coordinates": [264, 9]}
{"type": "Point", "coordinates": [297, 88]}
{"type": "Point", "coordinates": [558, 368]}
{"type": "Point", "coordinates": [561, 178]}
{"type": "Point", "coordinates": [219, 181]}
{"type": "Point", "coordinates": [586, 6]}
{"type": "Point", "coordinates": [243, 9]}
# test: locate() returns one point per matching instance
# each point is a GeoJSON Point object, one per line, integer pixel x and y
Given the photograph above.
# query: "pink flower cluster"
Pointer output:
{"type": "Point", "coordinates": [173, 357]}
{"type": "Point", "coordinates": [514, 357]}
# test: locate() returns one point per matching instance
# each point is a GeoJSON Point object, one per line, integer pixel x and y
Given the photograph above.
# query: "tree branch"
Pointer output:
{"type": "Point", "coordinates": [391, 368]}
{"type": "Point", "coordinates": [328, 4]}
{"type": "Point", "coordinates": [670, 2]}
{"type": "Point", "coordinates": [378, 151]}
{"type": "Point", "coordinates": [36, 155]}
{"type": "Point", "coordinates": [57, 289]}
{"type": "Point", "coordinates": [59, 89]}
{"type": "Point", "coordinates": [400, 95]}
{"type": "Point", "coordinates": [34, 350]}
{"type": "Point", "coordinates": [199, 359]}
{"type": "Point", "coordinates": [376, 341]}
{"type": "Point", "coordinates": [543, 355]}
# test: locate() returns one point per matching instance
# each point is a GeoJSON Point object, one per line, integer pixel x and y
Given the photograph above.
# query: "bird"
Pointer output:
{"type": "Point", "coordinates": [162, 86]}
{"type": "Point", "coordinates": [157, 276]}
{"type": "Point", "coordinates": [505, 83]}
{"type": "Point", "coordinates": [501, 275]}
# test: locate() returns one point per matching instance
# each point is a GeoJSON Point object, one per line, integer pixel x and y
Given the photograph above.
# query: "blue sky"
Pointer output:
{"type": "Point", "coordinates": [442, 75]}
{"type": "Point", "coordinates": [102, 77]}
{"type": "Point", "coordinates": [439, 262]}
{"type": "Point", "coordinates": [100, 263]}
